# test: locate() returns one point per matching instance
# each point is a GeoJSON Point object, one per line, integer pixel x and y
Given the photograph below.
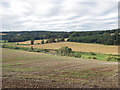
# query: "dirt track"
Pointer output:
{"type": "Point", "coordinates": [23, 69]}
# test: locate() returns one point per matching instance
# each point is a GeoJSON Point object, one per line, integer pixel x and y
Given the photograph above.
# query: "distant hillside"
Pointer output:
{"type": "Point", "coordinates": [109, 37]}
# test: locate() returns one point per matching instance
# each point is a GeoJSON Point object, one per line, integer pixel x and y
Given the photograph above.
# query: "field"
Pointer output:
{"type": "Point", "coordinates": [83, 47]}
{"type": "Point", "coordinates": [37, 41]}
{"type": "Point", "coordinates": [22, 69]}
{"type": "Point", "coordinates": [3, 34]}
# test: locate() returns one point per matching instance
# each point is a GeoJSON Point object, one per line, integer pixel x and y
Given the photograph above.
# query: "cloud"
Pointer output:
{"type": "Point", "coordinates": [58, 15]}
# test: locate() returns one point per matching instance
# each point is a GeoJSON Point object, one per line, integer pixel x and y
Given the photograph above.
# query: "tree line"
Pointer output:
{"type": "Point", "coordinates": [51, 40]}
{"type": "Point", "coordinates": [108, 37]}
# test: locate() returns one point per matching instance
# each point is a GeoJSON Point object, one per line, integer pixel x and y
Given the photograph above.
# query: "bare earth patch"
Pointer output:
{"type": "Point", "coordinates": [22, 69]}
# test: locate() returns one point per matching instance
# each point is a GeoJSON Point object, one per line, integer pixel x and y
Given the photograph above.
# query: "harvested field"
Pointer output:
{"type": "Point", "coordinates": [22, 69]}
{"type": "Point", "coordinates": [83, 47]}
{"type": "Point", "coordinates": [3, 34]}
{"type": "Point", "coordinates": [37, 41]}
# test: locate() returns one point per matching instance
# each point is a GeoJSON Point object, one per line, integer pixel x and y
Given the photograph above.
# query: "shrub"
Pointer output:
{"type": "Point", "coordinates": [71, 54]}
{"type": "Point", "coordinates": [65, 50]}
{"type": "Point", "coordinates": [52, 40]}
{"type": "Point", "coordinates": [37, 50]}
{"type": "Point", "coordinates": [16, 47]}
{"type": "Point", "coordinates": [46, 41]}
{"type": "Point", "coordinates": [118, 58]}
{"type": "Point", "coordinates": [31, 49]}
{"type": "Point", "coordinates": [32, 41]}
{"type": "Point", "coordinates": [82, 56]}
{"type": "Point", "coordinates": [42, 42]}
{"type": "Point", "coordinates": [5, 41]}
{"type": "Point", "coordinates": [93, 57]}
{"type": "Point", "coordinates": [109, 58]}
{"type": "Point", "coordinates": [60, 40]}
{"type": "Point", "coordinates": [52, 52]}
{"type": "Point", "coordinates": [77, 54]}
{"type": "Point", "coordinates": [92, 53]}
{"type": "Point", "coordinates": [44, 50]}
{"type": "Point", "coordinates": [3, 46]}
{"type": "Point", "coordinates": [24, 48]}
{"type": "Point", "coordinates": [17, 43]}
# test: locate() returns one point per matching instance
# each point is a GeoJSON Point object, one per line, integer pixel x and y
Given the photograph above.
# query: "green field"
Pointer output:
{"type": "Point", "coordinates": [36, 70]}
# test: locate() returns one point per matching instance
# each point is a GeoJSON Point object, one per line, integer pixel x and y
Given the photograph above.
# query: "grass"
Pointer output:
{"type": "Point", "coordinates": [24, 69]}
{"type": "Point", "coordinates": [99, 56]}
{"type": "Point", "coordinates": [81, 74]}
{"type": "Point", "coordinates": [9, 65]}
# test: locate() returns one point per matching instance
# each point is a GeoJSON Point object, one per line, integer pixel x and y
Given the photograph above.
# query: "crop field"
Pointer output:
{"type": "Point", "coordinates": [83, 47]}
{"type": "Point", "coordinates": [22, 69]}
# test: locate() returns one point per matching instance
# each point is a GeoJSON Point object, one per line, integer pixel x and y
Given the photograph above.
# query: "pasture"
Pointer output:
{"type": "Point", "coordinates": [22, 69]}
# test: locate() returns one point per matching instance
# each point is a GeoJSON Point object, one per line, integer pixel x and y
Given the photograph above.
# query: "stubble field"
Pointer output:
{"type": "Point", "coordinates": [83, 47]}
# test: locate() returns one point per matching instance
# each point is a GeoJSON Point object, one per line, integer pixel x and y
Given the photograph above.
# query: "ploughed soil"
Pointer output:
{"type": "Point", "coordinates": [22, 69]}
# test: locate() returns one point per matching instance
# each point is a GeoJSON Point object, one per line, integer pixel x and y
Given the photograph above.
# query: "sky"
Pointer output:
{"type": "Point", "coordinates": [58, 15]}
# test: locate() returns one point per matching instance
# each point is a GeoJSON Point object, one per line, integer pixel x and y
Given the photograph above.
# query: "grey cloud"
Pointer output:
{"type": "Point", "coordinates": [5, 4]}
{"type": "Point", "coordinates": [58, 15]}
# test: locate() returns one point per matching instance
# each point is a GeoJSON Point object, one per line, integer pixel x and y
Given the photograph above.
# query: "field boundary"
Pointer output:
{"type": "Point", "coordinates": [86, 55]}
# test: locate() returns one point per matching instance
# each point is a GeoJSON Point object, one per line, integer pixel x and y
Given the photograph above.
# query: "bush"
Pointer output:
{"type": "Point", "coordinates": [44, 50]}
{"type": "Point", "coordinates": [5, 41]}
{"type": "Point", "coordinates": [118, 58]}
{"type": "Point", "coordinates": [109, 58]}
{"type": "Point", "coordinates": [60, 40]}
{"type": "Point", "coordinates": [32, 41]}
{"type": "Point", "coordinates": [16, 47]}
{"type": "Point", "coordinates": [71, 54]}
{"type": "Point", "coordinates": [93, 57]}
{"type": "Point", "coordinates": [24, 48]}
{"type": "Point", "coordinates": [52, 40]}
{"type": "Point", "coordinates": [65, 50]}
{"type": "Point", "coordinates": [37, 50]}
{"type": "Point", "coordinates": [82, 56]}
{"type": "Point", "coordinates": [31, 49]}
{"type": "Point", "coordinates": [17, 43]}
{"type": "Point", "coordinates": [42, 42]}
{"type": "Point", "coordinates": [88, 57]}
{"type": "Point", "coordinates": [3, 46]}
{"type": "Point", "coordinates": [77, 54]}
{"type": "Point", "coordinates": [92, 53]}
{"type": "Point", "coordinates": [46, 41]}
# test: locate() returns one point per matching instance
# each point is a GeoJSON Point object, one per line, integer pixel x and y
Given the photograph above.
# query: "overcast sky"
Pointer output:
{"type": "Point", "coordinates": [58, 15]}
